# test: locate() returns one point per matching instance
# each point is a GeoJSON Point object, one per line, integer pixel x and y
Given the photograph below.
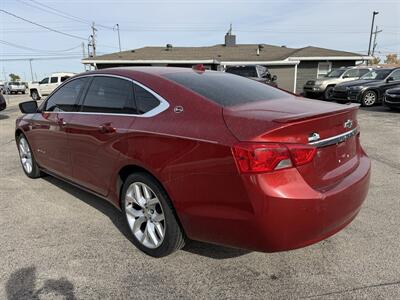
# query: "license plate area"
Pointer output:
{"type": "Point", "coordinates": [346, 150]}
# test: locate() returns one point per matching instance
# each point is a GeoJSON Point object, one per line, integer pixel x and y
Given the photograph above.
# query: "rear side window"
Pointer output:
{"type": "Point", "coordinates": [145, 101]}
{"type": "Point", "coordinates": [109, 95]}
{"type": "Point", "coordinates": [226, 89]}
{"type": "Point", "coordinates": [65, 99]}
{"type": "Point", "coordinates": [53, 79]}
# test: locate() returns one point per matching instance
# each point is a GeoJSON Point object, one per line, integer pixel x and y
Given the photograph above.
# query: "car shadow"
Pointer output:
{"type": "Point", "coordinates": [378, 108]}
{"type": "Point", "coordinates": [109, 210]}
{"type": "Point", "coordinates": [4, 117]}
{"type": "Point", "coordinates": [22, 285]}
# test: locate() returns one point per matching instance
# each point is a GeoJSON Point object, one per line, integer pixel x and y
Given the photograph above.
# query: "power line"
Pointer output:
{"type": "Point", "coordinates": [37, 24]}
{"type": "Point", "coordinates": [65, 15]}
{"type": "Point", "coordinates": [36, 50]}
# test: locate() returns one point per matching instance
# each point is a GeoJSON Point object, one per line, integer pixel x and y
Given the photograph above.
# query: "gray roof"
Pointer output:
{"type": "Point", "coordinates": [240, 52]}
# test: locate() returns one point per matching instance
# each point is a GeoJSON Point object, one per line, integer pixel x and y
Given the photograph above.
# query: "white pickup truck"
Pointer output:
{"type": "Point", "coordinates": [47, 85]}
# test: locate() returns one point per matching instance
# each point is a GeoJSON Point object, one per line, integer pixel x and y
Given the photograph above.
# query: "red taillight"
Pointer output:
{"type": "Point", "coordinates": [261, 158]}
{"type": "Point", "coordinates": [302, 154]}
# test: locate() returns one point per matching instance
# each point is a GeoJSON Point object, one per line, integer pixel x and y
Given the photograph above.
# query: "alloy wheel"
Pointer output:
{"type": "Point", "coordinates": [145, 215]}
{"type": "Point", "coordinates": [369, 98]}
{"type": "Point", "coordinates": [25, 155]}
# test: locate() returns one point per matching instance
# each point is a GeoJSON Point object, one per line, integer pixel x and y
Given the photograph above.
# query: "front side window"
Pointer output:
{"type": "Point", "coordinates": [63, 78]}
{"type": "Point", "coordinates": [44, 80]}
{"type": "Point", "coordinates": [396, 75]}
{"type": "Point", "coordinates": [53, 79]}
{"type": "Point", "coordinates": [226, 89]}
{"type": "Point", "coordinates": [353, 73]}
{"type": "Point", "coordinates": [335, 73]}
{"type": "Point", "coordinates": [65, 99]}
{"type": "Point", "coordinates": [109, 95]}
{"type": "Point", "coordinates": [145, 101]}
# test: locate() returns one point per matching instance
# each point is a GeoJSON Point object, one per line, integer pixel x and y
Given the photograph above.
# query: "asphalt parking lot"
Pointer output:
{"type": "Point", "coordinates": [57, 241]}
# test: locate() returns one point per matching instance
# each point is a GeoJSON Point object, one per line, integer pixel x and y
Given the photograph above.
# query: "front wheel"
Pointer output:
{"type": "Point", "coordinates": [369, 98]}
{"type": "Point", "coordinates": [28, 162]}
{"type": "Point", "coordinates": [35, 95]}
{"type": "Point", "coordinates": [328, 93]}
{"type": "Point", "coordinates": [150, 216]}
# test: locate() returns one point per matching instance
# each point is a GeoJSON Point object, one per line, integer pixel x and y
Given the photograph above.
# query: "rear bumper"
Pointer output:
{"type": "Point", "coordinates": [293, 215]}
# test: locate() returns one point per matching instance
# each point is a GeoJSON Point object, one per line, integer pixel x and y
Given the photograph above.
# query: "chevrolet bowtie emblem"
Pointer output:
{"type": "Point", "coordinates": [348, 124]}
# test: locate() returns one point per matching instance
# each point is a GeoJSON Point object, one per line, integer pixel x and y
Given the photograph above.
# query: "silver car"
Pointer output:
{"type": "Point", "coordinates": [14, 87]}
{"type": "Point", "coordinates": [324, 86]}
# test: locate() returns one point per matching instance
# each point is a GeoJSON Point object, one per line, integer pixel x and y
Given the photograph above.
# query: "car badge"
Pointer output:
{"type": "Point", "coordinates": [313, 137]}
{"type": "Point", "coordinates": [178, 109]}
{"type": "Point", "coordinates": [348, 124]}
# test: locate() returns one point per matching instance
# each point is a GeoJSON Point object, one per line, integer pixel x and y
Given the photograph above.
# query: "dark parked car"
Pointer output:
{"type": "Point", "coordinates": [203, 155]}
{"type": "Point", "coordinates": [3, 104]}
{"type": "Point", "coordinates": [256, 72]}
{"type": "Point", "coordinates": [370, 88]}
{"type": "Point", "coordinates": [392, 98]}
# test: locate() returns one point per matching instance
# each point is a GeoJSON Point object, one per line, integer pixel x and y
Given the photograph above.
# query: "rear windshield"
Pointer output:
{"type": "Point", "coordinates": [225, 89]}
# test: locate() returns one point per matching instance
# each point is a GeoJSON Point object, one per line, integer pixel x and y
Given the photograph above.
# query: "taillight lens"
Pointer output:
{"type": "Point", "coordinates": [263, 157]}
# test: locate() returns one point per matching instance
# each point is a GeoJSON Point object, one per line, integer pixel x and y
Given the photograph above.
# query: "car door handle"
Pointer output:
{"type": "Point", "coordinates": [106, 128]}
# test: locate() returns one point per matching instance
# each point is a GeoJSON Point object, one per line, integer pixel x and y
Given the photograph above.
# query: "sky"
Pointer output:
{"type": "Point", "coordinates": [336, 24]}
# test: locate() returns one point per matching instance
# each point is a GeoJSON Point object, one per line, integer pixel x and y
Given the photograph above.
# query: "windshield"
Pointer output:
{"type": "Point", "coordinates": [377, 74]}
{"type": "Point", "coordinates": [335, 73]}
{"type": "Point", "coordinates": [15, 83]}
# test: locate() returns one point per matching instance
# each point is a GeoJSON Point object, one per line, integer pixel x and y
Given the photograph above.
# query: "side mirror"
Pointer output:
{"type": "Point", "coordinates": [28, 107]}
{"type": "Point", "coordinates": [274, 78]}
{"type": "Point", "coordinates": [389, 79]}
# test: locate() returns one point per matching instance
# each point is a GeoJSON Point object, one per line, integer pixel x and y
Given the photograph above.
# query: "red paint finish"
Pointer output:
{"type": "Point", "coordinates": [190, 153]}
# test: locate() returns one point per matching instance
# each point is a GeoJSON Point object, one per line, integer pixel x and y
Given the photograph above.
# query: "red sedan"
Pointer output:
{"type": "Point", "coordinates": [203, 155]}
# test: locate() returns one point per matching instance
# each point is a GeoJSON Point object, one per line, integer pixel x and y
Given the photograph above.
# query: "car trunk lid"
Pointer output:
{"type": "Point", "coordinates": [303, 121]}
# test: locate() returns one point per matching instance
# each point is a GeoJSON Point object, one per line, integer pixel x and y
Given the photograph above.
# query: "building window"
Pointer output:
{"type": "Point", "coordinates": [323, 69]}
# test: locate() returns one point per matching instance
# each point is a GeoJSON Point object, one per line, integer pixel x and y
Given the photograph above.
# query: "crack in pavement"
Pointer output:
{"type": "Point", "coordinates": [353, 289]}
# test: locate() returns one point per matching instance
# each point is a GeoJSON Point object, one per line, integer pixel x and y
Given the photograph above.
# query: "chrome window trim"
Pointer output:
{"type": "Point", "coordinates": [164, 104]}
{"type": "Point", "coordinates": [335, 139]}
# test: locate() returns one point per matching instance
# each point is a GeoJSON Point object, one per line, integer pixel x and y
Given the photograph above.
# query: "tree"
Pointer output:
{"type": "Point", "coordinates": [376, 60]}
{"type": "Point", "coordinates": [14, 77]}
{"type": "Point", "coordinates": [392, 59]}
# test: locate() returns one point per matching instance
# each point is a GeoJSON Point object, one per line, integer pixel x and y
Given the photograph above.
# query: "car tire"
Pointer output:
{"type": "Point", "coordinates": [27, 158]}
{"type": "Point", "coordinates": [35, 95]}
{"type": "Point", "coordinates": [328, 93]}
{"type": "Point", "coordinates": [150, 216]}
{"type": "Point", "coordinates": [369, 98]}
{"type": "Point", "coordinates": [23, 93]}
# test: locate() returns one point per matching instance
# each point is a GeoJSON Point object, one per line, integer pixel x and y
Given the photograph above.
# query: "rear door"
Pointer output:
{"type": "Point", "coordinates": [49, 128]}
{"type": "Point", "coordinates": [106, 114]}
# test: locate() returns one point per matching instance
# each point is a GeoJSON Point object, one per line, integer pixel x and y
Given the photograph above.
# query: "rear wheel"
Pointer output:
{"type": "Point", "coordinates": [369, 98]}
{"type": "Point", "coordinates": [35, 95]}
{"type": "Point", "coordinates": [150, 216]}
{"type": "Point", "coordinates": [28, 162]}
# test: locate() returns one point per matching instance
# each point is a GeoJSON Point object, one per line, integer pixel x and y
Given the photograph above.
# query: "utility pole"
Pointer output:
{"type": "Point", "coordinates": [375, 44]}
{"type": "Point", "coordinates": [374, 13]}
{"type": "Point", "coordinates": [83, 55]}
{"type": "Point", "coordinates": [94, 39]}
{"type": "Point", "coordinates": [119, 37]}
{"type": "Point", "coordinates": [30, 65]}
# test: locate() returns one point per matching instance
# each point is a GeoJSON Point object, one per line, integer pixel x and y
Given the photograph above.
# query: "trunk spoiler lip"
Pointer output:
{"type": "Point", "coordinates": [311, 115]}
